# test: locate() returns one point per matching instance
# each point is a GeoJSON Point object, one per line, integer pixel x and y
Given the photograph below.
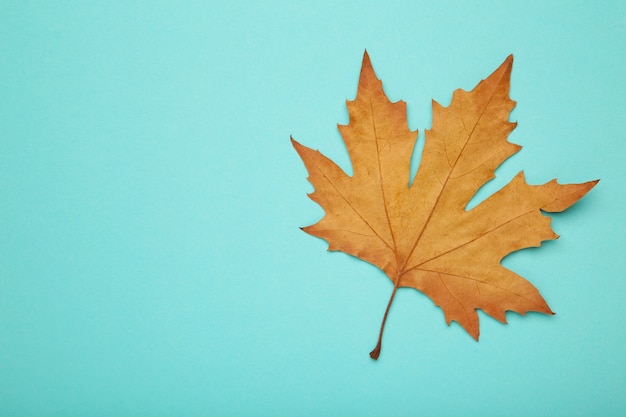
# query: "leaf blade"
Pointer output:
{"type": "Point", "coordinates": [421, 235]}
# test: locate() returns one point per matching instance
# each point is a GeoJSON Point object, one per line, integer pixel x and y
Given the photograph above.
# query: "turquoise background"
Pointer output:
{"type": "Point", "coordinates": [151, 262]}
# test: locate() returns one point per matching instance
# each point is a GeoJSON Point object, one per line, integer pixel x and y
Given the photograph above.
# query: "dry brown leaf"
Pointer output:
{"type": "Point", "coordinates": [421, 235]}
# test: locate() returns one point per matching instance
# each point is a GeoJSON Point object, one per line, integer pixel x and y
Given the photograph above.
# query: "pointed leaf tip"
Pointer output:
{"type": "Point", "coordinates": [300, 149]}
{"type": "Point", "coordinates": [366, 63]}
{"type": "Point", "coordinates": [507, 65]}
{"type": "Point", "coordinates": [367, 72]}
{"type": "Point", "coordinates": [503, 72]}
{"type": "Point", "coordinates": [295, 143]}
{"type": "Point", "coordinates": [366, 57]}
{"type": "Point", "coordinates": [508, 62]}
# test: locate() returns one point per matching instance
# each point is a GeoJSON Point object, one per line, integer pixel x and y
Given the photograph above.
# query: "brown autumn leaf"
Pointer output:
{"type": "Point", "coordinates": [421, 235]}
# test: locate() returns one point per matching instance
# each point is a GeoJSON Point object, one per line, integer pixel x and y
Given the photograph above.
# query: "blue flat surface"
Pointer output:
{"type": "Point", "coordinates": [151, 262]}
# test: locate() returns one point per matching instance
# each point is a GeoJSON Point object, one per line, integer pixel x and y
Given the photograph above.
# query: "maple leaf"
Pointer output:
{"type": "Point", "coordinates": [422, 236]}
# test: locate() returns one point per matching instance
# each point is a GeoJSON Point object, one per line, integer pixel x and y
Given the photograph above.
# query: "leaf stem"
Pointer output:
{"type": "Point", "coordinates": [376, 352]}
